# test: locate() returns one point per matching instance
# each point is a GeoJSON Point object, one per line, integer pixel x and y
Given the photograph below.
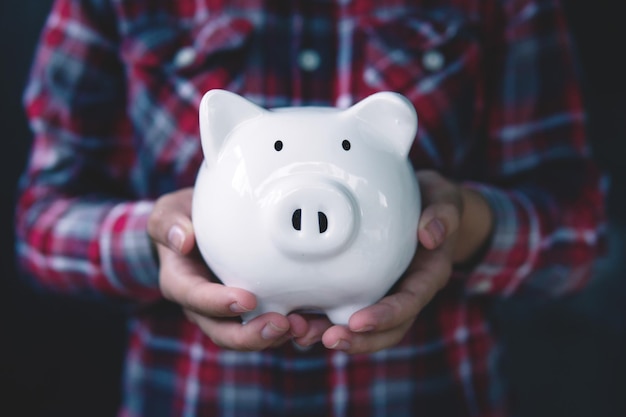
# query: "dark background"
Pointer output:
{"type": "Point", "coordinates": [62, 357]}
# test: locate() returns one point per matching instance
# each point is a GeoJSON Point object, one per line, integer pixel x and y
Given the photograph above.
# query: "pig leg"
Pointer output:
{"type": "Point", "coordinates": [341, 315]}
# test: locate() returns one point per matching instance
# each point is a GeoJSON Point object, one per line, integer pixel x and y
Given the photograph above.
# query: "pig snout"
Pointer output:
{"type": "Point", "coordinates": [311, 218]}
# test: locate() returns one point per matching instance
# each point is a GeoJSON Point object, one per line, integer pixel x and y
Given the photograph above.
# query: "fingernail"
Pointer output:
{"type": "Point", "coordinates": [301, 347]}
{"type": "Point", "coordinates": [176, 237]}
{"type": "Point", "coordinates": [238, 308]}
{"type": "Point", "coordinates": [436, 230]}
{"type": "Point", "coordinates": [364, 329]}
{"type": "Point", "coordinates": [341, 345]}
{"type": "Point", "coordinates": [271, 331]}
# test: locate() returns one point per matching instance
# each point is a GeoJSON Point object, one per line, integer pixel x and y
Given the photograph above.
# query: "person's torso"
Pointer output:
{"type": "Point", "coordinates": [298, 53]}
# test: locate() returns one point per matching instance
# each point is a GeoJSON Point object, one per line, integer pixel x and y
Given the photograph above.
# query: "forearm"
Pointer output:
{"type": "Point", "coordinates": [86, 245]}
{"type": "Point", "coordinates": [544, 239]}
{"type": "Point", "coordinates": [536, 171]}
{"type": "Point", "coordinates": [81, 227]}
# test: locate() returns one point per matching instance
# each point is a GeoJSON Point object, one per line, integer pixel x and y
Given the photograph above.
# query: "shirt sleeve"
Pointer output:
{"type": "Point", "coordinates": [544, 189]}
{"type": "Point", "coordinates": [80, 229]}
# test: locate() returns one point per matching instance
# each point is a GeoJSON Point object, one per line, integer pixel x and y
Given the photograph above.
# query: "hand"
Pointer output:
{"type": "Point", "coordinates": [185, 279]}
{"type": "Point", "coordinates": [449, 210]}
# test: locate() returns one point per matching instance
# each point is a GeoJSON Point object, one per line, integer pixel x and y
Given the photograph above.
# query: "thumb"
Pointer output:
{"type": "Point", "coordinates": [169, 223]}
{"type": "Point", "coordinates": [437, 222]}
{"type": "Point", "coordinates": [443, 207]}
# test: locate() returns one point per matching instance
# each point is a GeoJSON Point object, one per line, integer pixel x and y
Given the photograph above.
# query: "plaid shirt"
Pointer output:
{"type": "Point", "coordinates": [113, 103]}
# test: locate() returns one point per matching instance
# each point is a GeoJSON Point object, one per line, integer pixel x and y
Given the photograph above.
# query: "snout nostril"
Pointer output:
{"type": "Point", "coordinates": [296, 219]}
{"type": "Point", "coordinates": [323, 221]}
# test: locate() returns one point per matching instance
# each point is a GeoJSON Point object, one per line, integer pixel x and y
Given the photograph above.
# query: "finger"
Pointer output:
{"type": "Point", "coordinates": [257, 334]}
{"type": "Point", "coordinates": [317, 325]}
{"type": "Point", "coordinates": [186, 281]}
{"type": "Point", "coordinates": [425, 277]}
{"type": "Point", "coordinates": [170, 221]}
{"type": "Point", "coordinates": [216, 300]}
{"type": "Point", "coordinates": [341, 338]}
{"type": "Point", "coordinates": [298, 325]}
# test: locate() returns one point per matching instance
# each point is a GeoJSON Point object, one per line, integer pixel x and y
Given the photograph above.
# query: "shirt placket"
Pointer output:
{"type": "Point", "coordinates": [314, 53]}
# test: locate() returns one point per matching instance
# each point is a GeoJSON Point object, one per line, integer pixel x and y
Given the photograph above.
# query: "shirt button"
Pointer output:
{"type": "Point", "coordinates": [185, 57]}
{"type": "Point", "coordinates": [309, 60]}
{"type": "Point", "coordinates": [482, 287]}
{"type": "Point", "coordinates": [433, 60]}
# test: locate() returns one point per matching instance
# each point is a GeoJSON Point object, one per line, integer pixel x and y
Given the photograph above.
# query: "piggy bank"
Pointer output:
{"type": "Point", "coordinates": [309, 208]}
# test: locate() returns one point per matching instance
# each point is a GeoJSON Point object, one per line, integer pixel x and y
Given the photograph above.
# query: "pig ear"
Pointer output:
{"type": "Point", "coordinates": [220, 112]}
{"type": "Point", "coordinates": [392, 116]}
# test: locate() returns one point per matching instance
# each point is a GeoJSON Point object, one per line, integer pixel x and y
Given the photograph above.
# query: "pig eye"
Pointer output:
{"type": "Point", "coordinates": [278, 145]}
{"type": "Point", "coordinates": [345, 145]}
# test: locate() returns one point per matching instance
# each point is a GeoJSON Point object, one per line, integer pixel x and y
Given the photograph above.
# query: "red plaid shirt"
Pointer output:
{"type": "Point", "coordinates": [113, 103]}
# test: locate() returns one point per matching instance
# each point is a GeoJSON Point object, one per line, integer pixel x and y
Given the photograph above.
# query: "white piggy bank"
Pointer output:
{"type": "Point", "coordinates": [309, 208]}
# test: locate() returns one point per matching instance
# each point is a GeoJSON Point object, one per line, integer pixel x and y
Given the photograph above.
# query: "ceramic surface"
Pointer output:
{"type": "Point", "coordinates": [309, 208]}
